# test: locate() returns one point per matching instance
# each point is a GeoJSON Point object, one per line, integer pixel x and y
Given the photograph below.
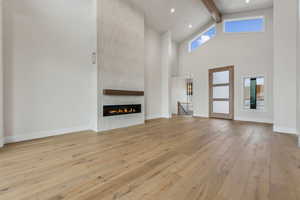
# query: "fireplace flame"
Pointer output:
{"type": "Point", "coordinates": [121, 109]}
{"type": "Point", "coordinates": [125, 110]}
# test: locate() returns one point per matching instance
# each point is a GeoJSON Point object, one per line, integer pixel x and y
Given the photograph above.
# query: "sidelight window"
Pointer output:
{"type": "Point", "coordinates": [254, 93]}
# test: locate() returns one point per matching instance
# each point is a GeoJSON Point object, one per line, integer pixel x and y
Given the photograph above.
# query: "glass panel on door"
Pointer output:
{"type": "Point", "coordinates": [221, 107]}
{"type": "Point", "coordinates": [221, 92]}
{"type": "Point", "coordinates": [221, 77]}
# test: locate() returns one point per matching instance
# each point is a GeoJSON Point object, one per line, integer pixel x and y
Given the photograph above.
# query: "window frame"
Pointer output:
{"type": "Point", "coordinates": [264, 110]}
{"type": "Point", "coordinates": [197, 36]}
{"type": "Point", "coordinates": [245, 18]}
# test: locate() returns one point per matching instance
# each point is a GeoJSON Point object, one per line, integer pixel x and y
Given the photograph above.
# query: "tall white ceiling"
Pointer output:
{"type": "Point", "coordinates": [233, 6]}
{"type": "Point", "coordinates": [158, 16]}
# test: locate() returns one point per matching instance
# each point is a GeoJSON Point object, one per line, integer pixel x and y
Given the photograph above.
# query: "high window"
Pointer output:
{"type": "Point", "coordinates": [202, 38]}
{"type": "Point", "coordinates": [254, 93]}
{"type": "Point", "coordinates": [254, 24]}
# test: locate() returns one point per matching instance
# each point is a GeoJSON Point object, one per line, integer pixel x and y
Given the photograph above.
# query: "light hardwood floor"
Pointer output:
{"type": "Point", "coordinates": [178, 159]}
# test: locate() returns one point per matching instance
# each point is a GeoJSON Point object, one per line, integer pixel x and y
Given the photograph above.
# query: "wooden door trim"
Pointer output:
{"type": "Point", "coordinates": [231, 92]}
{"type": "Point", "coordinates": [219, 69]}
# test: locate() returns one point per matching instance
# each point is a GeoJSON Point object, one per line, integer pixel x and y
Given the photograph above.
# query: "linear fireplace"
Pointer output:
{"type": "Point", "coordinates": [112, 110]}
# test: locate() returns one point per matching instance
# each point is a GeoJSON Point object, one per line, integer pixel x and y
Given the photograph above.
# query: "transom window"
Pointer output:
{"type": "Point", "coordinates": [254, 93]}
{"type": "Point", "coordinates": [254, 24]}
{"type": "Point", "coordinates": [202, 38]}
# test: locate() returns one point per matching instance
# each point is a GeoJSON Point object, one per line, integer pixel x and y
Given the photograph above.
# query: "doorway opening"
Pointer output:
{"type": "Point", "coordinates": [182, 96]}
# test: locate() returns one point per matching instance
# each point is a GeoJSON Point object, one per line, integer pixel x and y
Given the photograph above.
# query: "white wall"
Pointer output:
{"type": "Point", "coordinates": [50, 83]}
{"type": "Point", "coordinates": [174, 59]}
{"type": "Point", "coordinates": [298, 73]}
{"type": "Point", "coordinates": [121, 59]}
{"type": "Point", "coordinates": [152, 73]}
{"type": "Point", "coordinates": [285, 61]}
{"type": "Point", "coordinates": [178, 84]}
{"type": "Point", "coordinates": [156, 56]}
{"type": "Point", "coordinates": [250, 53]}
{"type": "Point", "coordinates": [1, 82]}
{"type": "Point", "coordinates": [178, 92]}
{"type": "Point", "coordinates": [166, 73]}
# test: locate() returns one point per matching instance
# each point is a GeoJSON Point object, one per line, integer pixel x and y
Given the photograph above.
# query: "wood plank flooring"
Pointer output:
{"type": "Point", "coordinates": [178, 159]}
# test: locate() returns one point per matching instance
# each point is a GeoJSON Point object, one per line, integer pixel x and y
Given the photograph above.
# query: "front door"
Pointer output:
{"type": "Point", "coordinates": [221, 92]}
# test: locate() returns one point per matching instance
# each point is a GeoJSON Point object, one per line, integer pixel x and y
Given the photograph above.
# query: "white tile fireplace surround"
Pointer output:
{"type": "Point", "coordinates": [121, 121]}
{"type": "Point", "coordinates": [121, 60]}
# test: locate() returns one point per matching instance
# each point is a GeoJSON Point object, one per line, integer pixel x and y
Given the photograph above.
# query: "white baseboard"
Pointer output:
{"type": "Point", "coordinates": [44, 134]}
{"type": "Point", "coordinates": [287, 130]}
{"type": "Point", "coordinates": [198, 115]}
{"type": "Point", "coordinates": [94, 126]}
{"type": "Point", "coordinates": [242, 119]}
{"type": "Point", "coordinates": [166, 116]}
{"type": "Point", "coordinates": [103, 129]}
{"type": "Point", "coordinates": [245, 119]}
{"type": "Point", "coordinates": [1, 141]}
{"type": "Point", "coordinates": [149, 117]}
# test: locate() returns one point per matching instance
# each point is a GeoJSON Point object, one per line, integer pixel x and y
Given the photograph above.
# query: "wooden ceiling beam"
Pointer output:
{"type": "Point", "coordinates": [213, 10]}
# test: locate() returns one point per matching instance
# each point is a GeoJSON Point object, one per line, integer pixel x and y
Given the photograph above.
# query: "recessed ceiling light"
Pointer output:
{"type": "Point", "coordinates": [247, 1]}
{"type": "Point", "coordinates": [190, 26]}
{"type": "Point", "coordinates": [172, 10]}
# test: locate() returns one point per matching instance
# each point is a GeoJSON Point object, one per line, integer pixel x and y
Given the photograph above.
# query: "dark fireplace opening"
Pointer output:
{"type": "Point", "coordinates": [113, 110]}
